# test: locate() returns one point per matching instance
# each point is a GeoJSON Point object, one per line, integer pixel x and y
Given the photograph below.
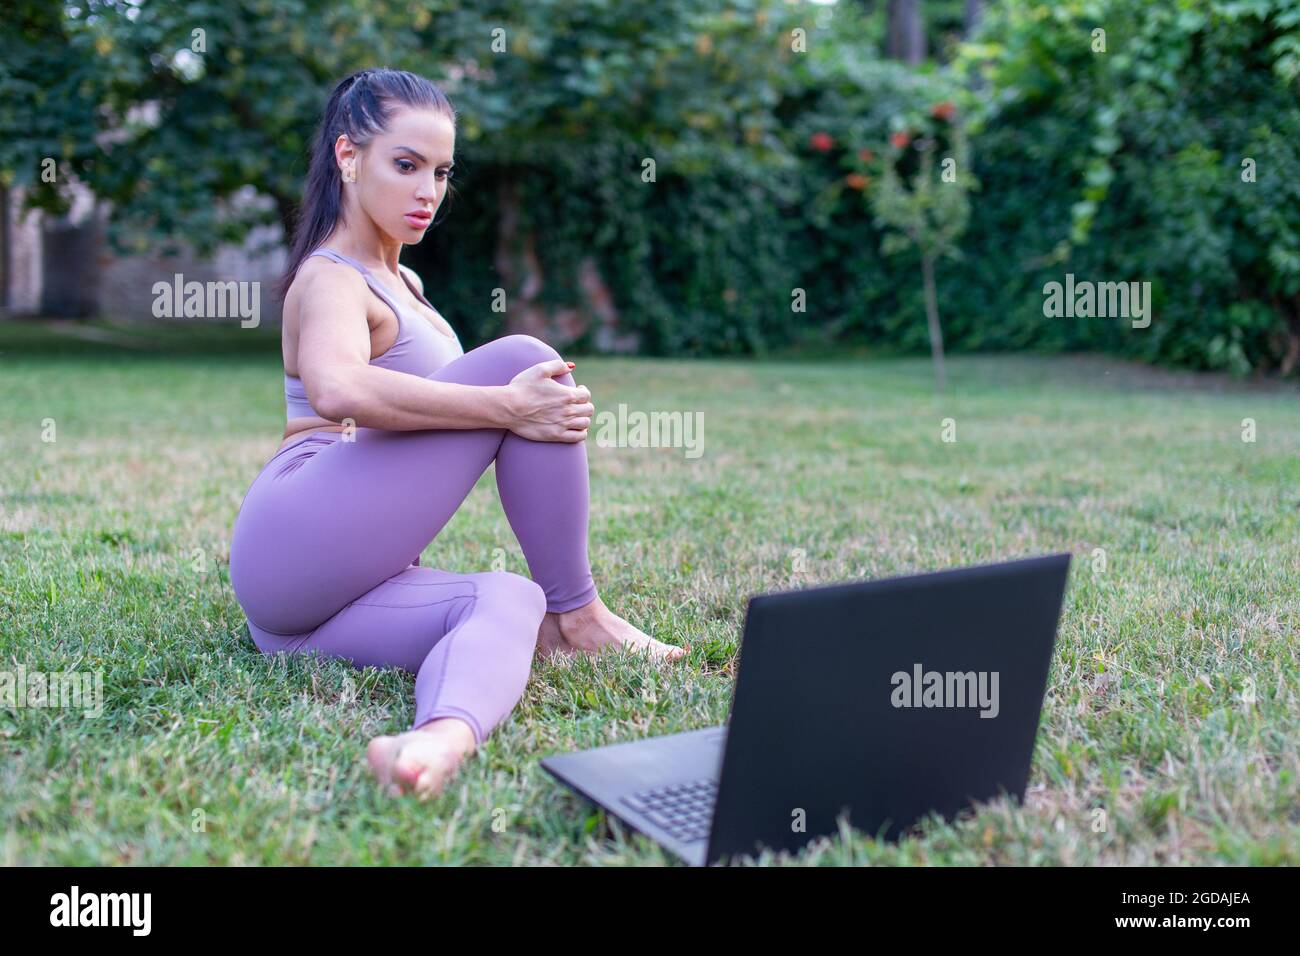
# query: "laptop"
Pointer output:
{"type": "Point", "coordinates": [883, 701]}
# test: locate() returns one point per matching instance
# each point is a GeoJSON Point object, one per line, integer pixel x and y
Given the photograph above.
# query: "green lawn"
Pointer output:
{"type": "Point", "coordinates": [114, 558]}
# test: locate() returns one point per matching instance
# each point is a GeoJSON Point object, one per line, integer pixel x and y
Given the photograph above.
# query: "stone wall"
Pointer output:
{"type": "Point", "coordinates": [94, 280]}
{"type": "Point", "coordinates": [126, 284]}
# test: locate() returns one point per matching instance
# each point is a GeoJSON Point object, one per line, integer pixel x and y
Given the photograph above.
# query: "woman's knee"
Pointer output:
{"type": "Point", "coordinates": [528, 350]}
{"type": "Point", "coordinates": [500, 360]}
{"type": "Point", "coordinates": [512, 590]}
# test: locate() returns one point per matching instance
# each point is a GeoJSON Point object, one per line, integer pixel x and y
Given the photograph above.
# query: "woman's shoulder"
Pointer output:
{"type": "Point", "coordinates": [320, 278]}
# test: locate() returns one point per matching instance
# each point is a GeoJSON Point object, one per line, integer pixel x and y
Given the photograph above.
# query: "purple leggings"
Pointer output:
{"type": "Point", "coordinates": [322, 549]}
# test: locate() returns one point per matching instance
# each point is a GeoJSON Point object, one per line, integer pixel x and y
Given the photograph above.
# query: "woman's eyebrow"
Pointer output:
{"type": "Point", "coordinates": [418, 155]}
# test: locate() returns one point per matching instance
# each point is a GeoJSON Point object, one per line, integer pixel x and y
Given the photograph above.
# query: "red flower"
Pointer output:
{"type": "Point", "coordinates": [900, 140]}
{"type": "Point", "coordinates": [856, 181]}
{"type": "Point", "coordinates": [944, 111]}
{"type": "Point", "coordinates": [821, 142]}
{"type": "Point", "coordinates": [866, 155]}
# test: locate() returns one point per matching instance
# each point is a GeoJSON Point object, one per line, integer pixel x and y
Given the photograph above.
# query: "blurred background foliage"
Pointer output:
{"type": "Point", "coordinates": [1170, 155]}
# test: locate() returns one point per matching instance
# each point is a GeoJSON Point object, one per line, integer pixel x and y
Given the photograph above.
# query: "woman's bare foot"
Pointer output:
{"type": "Point", "coordinates": [593, 627]}
{"type": "Point", "coordinates": [550, 641]}
{"type": "Point", "coordinates": [420, 760]}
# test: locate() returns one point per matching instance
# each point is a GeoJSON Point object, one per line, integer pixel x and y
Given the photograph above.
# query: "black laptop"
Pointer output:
{"type": "Point", "coordinates": [884, 701]}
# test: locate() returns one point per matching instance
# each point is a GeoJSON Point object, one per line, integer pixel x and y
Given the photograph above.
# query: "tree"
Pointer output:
{"type": "Point", "coordinates": [927, 212]}
{"type": "Point", "coordinates": [1119, 108]}
{"type": "Point", "coordinates": [906, 31]}
{"type": "Point", "coordinates": [167, 110]}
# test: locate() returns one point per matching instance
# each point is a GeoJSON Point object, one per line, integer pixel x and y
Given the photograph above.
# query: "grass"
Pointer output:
{"type": "Point", "coordinates": [1172, 703]}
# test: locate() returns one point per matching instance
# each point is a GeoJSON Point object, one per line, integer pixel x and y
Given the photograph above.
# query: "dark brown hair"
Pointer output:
{"type": "Point", "coordinates": [360, 106]}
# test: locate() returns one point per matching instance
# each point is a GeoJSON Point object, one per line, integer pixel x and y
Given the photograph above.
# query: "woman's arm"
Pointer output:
{"type": "Point", "coordinates": [334, 365]}
{"type": "Point", "coordinates": [375, 397]}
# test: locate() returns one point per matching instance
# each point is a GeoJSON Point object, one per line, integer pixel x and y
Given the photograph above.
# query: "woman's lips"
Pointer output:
{"type": "Point", "coordinates": [418, 220]}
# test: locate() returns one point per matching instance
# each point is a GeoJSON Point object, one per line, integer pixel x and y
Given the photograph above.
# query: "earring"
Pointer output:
{"type": "Point", "coordinates": [350, 174]}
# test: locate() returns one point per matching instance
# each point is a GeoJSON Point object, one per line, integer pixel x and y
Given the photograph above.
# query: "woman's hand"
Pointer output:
{"type": "Point", "coordinates": [543, 409]}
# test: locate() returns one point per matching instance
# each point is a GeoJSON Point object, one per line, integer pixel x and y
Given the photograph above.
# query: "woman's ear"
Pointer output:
{"type": "Point", "coordinates": [345, 155]}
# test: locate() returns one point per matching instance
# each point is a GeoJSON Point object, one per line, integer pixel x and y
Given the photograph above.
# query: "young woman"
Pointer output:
{"type": "Point", "coordinates": [390, 424]}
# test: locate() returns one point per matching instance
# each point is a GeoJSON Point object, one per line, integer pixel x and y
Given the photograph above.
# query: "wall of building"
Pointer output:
{"type": "Point", "coordinates": [94, 280]}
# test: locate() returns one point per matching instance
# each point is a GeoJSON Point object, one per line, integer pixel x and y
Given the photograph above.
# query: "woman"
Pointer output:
{"type": "Point", "coordinates": [390, 424]}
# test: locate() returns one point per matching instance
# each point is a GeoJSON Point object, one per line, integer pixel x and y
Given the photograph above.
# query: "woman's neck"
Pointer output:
{"type": "Point", "coordinates": [365, 245]}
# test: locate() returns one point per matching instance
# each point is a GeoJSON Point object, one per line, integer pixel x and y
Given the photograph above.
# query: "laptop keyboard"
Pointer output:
{"type": "Point", "coordinates": [685, 810]}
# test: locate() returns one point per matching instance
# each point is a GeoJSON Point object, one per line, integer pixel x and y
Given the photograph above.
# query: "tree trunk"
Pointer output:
{"type": "Point", "coordinates": [5, 258]}
{"type": "Point", "coordinates": [932, 319]}
{"type": "Point", "coordinates": [906, 34]}
{"type": "Point", "coordinates": [518, 266]}
{"type": "Point", "coordinates": [974, 13]}
{"type": "Point", "coordinates": [523, 278]}
{"type": "Point", "coordinates": [1291, 358]}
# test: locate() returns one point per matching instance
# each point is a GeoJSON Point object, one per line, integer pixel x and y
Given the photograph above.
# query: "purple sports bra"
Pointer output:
{"type": "Point", "coordinates": [420, 349]}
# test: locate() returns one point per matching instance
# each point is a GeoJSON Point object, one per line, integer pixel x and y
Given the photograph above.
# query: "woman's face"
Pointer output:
{"type": "Point", "coordinates": [402, 175]}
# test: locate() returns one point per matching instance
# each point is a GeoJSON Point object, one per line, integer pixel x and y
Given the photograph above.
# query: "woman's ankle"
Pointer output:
{"type": "Point", "coordinates": [453, 729]}
{"type": "Point", "coordinates": [589, 611]}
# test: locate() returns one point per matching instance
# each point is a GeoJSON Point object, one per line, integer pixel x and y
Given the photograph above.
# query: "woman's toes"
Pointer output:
{"type": "Point", "coordinates": [653, 647]}
{"type": "Point", "coordinates": [414, 761]}
{"type": "Point", "coordinates": [429, 782]}
{"type": "Point", "coordinates": [424, 764]}
{"type": "Point", "coordinates": [379, 754]}
{"type": "Point", "coordinates": [406, 770]}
